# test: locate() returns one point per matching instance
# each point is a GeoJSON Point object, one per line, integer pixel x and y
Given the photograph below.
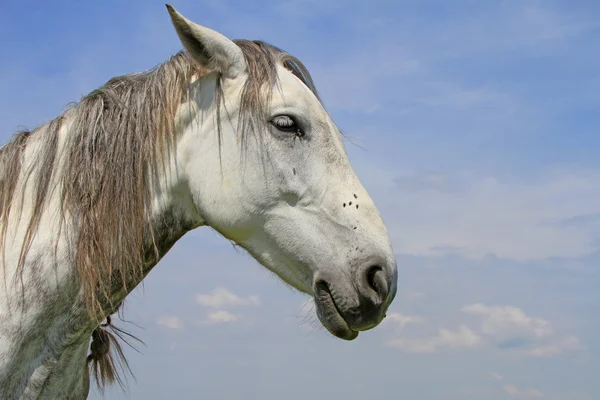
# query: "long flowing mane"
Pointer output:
{"type": "Point", "coordinates": [102, 172]}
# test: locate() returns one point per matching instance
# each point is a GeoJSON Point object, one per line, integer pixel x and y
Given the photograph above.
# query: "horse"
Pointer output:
{"type": "Point", "coordinates": [226, 134]}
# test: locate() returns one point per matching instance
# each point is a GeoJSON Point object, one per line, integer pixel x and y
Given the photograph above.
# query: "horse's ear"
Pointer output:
{"type": "Point", "coordinates": [207, 47]}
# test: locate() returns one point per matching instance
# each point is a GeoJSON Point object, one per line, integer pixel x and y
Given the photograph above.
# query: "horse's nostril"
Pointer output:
{"type": "Point", "coordinates": [377, 281]}
{"type": "Point", "coordinates": [291, 199]}
{"type": "Point", "coordinates": [371, 272]}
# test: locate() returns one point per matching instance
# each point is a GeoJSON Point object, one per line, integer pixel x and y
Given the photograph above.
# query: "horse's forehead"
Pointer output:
{"type": "Point", "coordinates": [293, 91]}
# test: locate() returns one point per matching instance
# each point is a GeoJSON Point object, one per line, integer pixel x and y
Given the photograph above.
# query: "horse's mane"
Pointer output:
{"type": "Point", "coordinates": [102, 174]}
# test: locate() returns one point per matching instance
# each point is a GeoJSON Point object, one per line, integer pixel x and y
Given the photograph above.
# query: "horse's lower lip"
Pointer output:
{"type": "Point", "coordinates": [329, 315]}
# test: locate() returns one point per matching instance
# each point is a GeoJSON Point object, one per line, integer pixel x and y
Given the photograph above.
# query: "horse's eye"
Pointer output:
{"type": "Point", "coordinates": [284, 123]}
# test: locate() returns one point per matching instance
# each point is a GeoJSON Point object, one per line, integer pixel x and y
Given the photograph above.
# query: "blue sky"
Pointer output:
{"type": "Point", "coordinates": [477, 131]}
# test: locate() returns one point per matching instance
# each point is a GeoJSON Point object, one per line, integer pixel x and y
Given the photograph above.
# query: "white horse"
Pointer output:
{"type": "Point", "coordinates": [226, 134]}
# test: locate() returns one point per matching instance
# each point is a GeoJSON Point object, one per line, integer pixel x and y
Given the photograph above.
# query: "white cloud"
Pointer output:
{"type": "Point", "coordinates": [544, 351]}
{"type": "Point", "coordinates": [496, 376]}
{"type": "Point", "coordinates": [169, 322]}
{"type": "Point", "coordinates": [568, 344]}
{"type": "Point", "coordinates": [502, 327]}
{"type": "Point", "coordinates": [221, 317]}
{"type": "Point", "coordinates": [219, 300]}
{"type": "Point", "coordinates": [401, 320]}
{"type": "Point", "coordinates": [476, 216]}
{"type": "Point", "coordinates": [506, 322]}
{"type": "Point", "coordinates": [531, 336]}
{"type": "Point", "coordinates": [515, 392]}
{"type": "Point", "coordinates": [463, 337]}
{"type": "Point", "coordinates": [221, 297]}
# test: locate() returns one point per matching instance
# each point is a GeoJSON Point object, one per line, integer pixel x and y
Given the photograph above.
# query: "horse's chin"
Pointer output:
{"type": "Point", "coordinates": [330, 315]}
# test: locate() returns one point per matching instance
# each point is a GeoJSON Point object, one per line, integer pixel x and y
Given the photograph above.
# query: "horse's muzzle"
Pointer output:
{"type": "Point", "coordinates": [345, 308]}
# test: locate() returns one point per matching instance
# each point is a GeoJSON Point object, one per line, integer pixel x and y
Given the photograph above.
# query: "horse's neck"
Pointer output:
{"type": "Point", "coordinates": [45, 329]}
{"type": "Point", "coordinates": [45, 333]}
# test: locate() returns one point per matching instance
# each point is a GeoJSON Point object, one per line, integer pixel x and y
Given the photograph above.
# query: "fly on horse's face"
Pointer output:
{"type": "Point", "coordinates": [285, 191]}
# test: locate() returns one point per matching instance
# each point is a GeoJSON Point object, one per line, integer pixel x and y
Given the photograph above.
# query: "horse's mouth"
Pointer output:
{"type": "Point", "coordinates": [329, 314]}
